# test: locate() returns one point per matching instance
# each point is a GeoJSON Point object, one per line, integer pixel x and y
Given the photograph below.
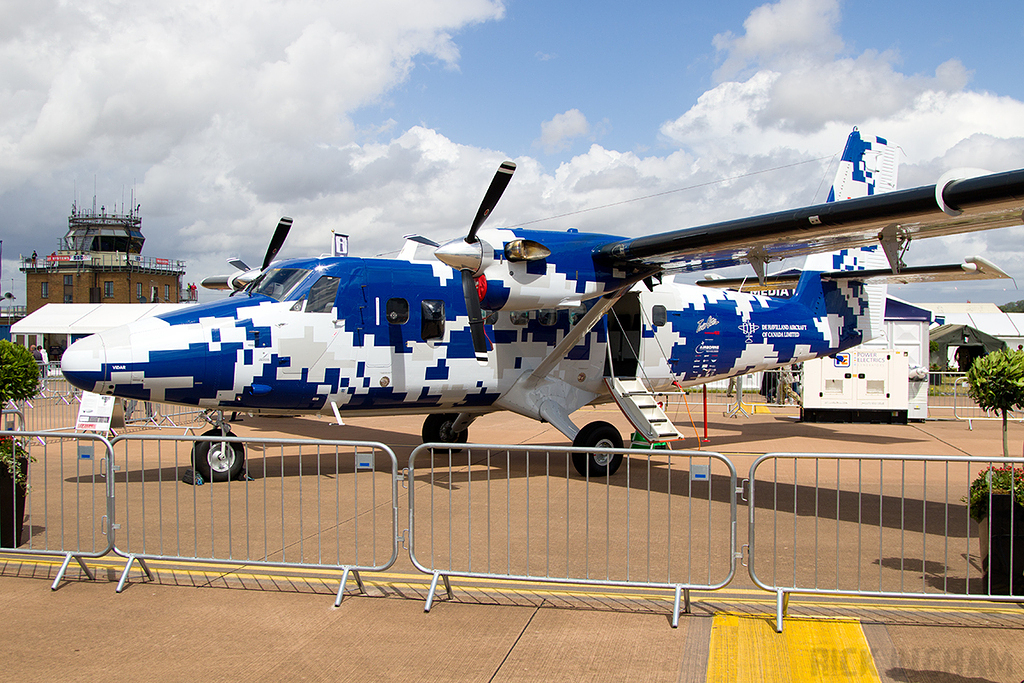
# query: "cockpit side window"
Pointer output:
{"type": "Point", "coordinates": [278, 282]}
{"type": "Point", "coordinates": [321, 295]}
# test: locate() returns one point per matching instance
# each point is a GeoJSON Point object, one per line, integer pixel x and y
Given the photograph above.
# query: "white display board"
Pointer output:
{"type": "Point", "coordinates": [95, 413]}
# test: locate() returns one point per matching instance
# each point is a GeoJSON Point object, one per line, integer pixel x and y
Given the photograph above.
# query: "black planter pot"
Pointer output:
{"type": "Point", "coordinates": [12, 508]}
{"type": "Point", "coordinates": [1004, 566]}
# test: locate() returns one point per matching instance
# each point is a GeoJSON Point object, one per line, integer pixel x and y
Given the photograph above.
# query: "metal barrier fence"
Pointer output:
{"type": "Point", "coordinates": [68, 498]}
{"type": "Point", "coordinates": [965, 408]}
{"type": "Point", "coordinates": [309, 503]}
{"type": "Point", "coordinates": [149, 414]}
{"type": "Point", "coordinates": [13, 420]}
{"type": "Point", "coordinates": [881, 526]}
{"type": "Point", "coordinates": [873, 525]}
{"type": "Point", "coordinates": [666, 519]}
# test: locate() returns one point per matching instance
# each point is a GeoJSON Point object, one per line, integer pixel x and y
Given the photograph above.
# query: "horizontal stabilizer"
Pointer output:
{"type": "Point", "coordinates": [973, 268]}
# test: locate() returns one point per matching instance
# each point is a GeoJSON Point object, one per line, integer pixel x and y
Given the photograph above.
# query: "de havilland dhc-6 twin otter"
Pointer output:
{"type": "Point", "coordinates": [542, 323]}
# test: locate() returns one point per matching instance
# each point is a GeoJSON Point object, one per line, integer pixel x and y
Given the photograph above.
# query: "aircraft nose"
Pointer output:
{"type": "Point", "coordinates": [83, 363]}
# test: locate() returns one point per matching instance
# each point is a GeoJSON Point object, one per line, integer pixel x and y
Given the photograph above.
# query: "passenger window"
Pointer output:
{"type": "Point", "coordinates": [519, 317]}
{"type": "Point", "coordinates": [659, 315]}
{"type": "Point", "coordinates": [576, 314]}
{"type": "Point", "coordinates": [322, 294]}
{"type": "Point", "coordinates": [432, 319]}
{"type": "Point", "coordinates": [548, 317]}
{"type": "Point", "coordinates": [397, 311]}
{"type": "Point", "coordinates": [490, 317]}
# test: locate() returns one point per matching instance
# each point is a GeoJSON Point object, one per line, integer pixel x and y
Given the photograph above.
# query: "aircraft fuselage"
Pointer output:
{"type": "Point", "coordinates": [383, 336]}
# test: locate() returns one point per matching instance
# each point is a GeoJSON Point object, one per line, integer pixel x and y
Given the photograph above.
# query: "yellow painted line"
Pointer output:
{"type": "Point", "coordinates": [727, 596]}
{"type": "Point", "coordinates": [747, 648]}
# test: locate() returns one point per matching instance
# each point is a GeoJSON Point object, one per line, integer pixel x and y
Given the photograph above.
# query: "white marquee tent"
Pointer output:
{"type": "Point", "coordinates": [57, 325]}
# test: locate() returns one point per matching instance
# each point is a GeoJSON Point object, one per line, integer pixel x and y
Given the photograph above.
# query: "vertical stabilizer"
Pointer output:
{"type": "Point", "coordinates": [870, 165]}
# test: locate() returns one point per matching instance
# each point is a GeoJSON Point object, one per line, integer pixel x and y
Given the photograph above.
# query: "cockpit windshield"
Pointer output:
{"type": "Point", "coordinates": [277, 283]}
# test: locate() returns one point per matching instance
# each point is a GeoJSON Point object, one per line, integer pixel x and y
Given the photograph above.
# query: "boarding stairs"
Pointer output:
{"type": "Point", "coordinates": [641, 408]}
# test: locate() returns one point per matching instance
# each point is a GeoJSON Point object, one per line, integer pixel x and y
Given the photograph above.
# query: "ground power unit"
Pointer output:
{"type": "Point", "coordinates": [860, 385]}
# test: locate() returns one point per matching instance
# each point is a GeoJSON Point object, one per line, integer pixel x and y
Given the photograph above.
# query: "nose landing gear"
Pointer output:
{"type": "Point", "coordinates": [218, 460]}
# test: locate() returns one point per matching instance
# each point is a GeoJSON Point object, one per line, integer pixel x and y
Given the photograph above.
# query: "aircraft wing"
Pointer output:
{"type": "Point", "coordinates": [973, 268]}
{"type": "Point", "coordinates": [892, 219]}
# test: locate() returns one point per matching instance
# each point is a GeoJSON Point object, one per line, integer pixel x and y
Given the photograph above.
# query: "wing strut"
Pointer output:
{"type": "Point", "coordinates": [895, 241]}
{"type": "Point", "coordinates": [758, 258]}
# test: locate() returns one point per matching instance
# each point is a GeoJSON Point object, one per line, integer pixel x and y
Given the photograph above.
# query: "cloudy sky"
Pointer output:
{"type": "Point", "coordinates": [381, 119]}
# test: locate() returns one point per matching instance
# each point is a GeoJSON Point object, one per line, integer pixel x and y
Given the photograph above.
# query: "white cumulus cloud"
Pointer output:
{"type": "Point", "coordinates": [558, 133]}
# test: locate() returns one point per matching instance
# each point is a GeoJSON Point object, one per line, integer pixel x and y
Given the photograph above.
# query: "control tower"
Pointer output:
{"type": "Point", "coordinates": [100, 260]}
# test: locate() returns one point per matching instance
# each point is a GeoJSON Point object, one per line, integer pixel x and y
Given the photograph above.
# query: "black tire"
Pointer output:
{"type": "Point", "coordinates": [597, 435]}
{"type": "Point", "coordinates": [218, 461]}
{"type": "Point", "coordinates": [438, 428]}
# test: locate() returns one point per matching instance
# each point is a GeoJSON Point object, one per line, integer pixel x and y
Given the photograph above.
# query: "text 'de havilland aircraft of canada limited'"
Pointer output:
{"type": "Point", "coordinates": [541, 323]}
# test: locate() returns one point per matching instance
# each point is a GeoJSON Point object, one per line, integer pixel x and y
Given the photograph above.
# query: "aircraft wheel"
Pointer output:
{"type": "Point", "coordinates": [597, 435]}
{"type": "Point", "coordinates": [217, 460]}
{"type": "Point", "coordinates": [438, 427]}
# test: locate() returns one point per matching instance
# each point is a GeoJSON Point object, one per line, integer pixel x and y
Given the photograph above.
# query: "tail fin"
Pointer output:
{"type": "Point", "coordinates": [870, 165]}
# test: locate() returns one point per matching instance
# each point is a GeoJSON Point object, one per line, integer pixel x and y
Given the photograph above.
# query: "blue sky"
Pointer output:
{"type": "Point", "coordinates": [388, 119]}
{"type": "Point", "coordinates": [631, 68]}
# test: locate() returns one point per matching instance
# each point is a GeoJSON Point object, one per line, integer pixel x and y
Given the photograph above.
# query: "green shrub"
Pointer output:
{"type": "Point", "coordinates": [19, 373]}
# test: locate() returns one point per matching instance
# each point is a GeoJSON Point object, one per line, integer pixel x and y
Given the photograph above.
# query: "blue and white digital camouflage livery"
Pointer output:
{"type": "Point", "coordinates": [536, 322]}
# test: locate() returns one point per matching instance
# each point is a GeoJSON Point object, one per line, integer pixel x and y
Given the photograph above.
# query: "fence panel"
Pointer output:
{"type": "Point", "coordinates": [303, 502]}
{"type": "Point", "coordinates": [68, 498]}
{"type": "Point", "coordinates": [666, 519]}
{"type": "Point", "coordinates": [870, 525]}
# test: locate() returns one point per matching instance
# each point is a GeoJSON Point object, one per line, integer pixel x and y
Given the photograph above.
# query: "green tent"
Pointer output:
{"type": "Point", "coordinates": [969, 342]}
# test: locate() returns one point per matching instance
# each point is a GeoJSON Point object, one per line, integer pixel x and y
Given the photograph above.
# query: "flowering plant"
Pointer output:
{"type": "Point", "coordinates": [13, 457]}
{"type": "Point", "coordinates": [991, 481]}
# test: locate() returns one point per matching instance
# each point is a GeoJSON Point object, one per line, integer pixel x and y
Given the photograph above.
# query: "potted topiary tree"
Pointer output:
{"type": "Point", "coordinates": [996, 496]}
{"type": "Point", "coordinates": [996, 382]}
{"type": "Point", "coordinates": [19, 380]}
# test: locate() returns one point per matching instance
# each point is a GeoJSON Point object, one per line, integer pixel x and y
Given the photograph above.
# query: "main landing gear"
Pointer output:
{"type": "Point", "coordinates": [597, 435]}
{"type": "Point", "coordinates": [218, 460]}
{"type": "Point", "coordinates": [439, 427]}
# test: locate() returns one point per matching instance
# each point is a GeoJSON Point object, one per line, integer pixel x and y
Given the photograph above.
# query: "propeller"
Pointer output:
{"type": "Point", "coordinates": [476, 316]}
{"type": "Point", "coordinates": [277, 241]}
{"type": "Point", "coordinates": [494, 192]}
{"type": "Point", "coordinates": [239, 281]}
{"type": "Point", "coordinates": [469, 255]}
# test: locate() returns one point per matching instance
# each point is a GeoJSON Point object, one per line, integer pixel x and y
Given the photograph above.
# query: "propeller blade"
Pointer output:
{"type": "Point", "coordinates": [494, 192]}
{"type": "Point", "coordinates": [476, 318]}
{"type": "Point", "coordinates": [277, 241]}
{"type": "Point", "coordinates": [238, 263]}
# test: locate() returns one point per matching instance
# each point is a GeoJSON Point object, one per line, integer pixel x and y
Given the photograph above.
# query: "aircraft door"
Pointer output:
{"type": "Point", "coordinates": [359, 352]}
{"type": "Point", "coordinates": [624, 325]}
